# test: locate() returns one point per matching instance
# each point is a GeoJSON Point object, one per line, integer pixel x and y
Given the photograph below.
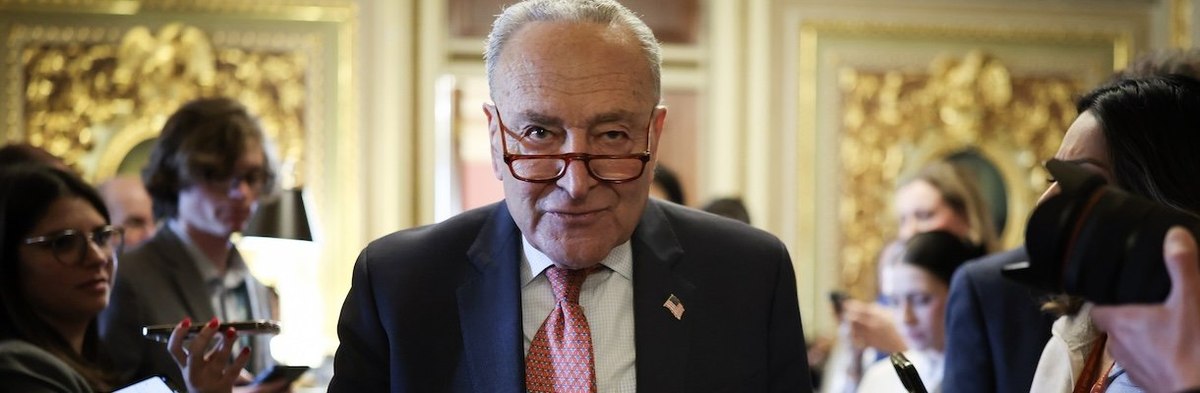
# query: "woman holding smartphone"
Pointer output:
{"type": "Point", "coordinates": [916, 294]}
{"type": "Point", "coordinates": [57, 257]}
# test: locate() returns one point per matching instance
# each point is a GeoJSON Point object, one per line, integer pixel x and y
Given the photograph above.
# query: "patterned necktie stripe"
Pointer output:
{"type": "Point", "coordinates": [560, 357]}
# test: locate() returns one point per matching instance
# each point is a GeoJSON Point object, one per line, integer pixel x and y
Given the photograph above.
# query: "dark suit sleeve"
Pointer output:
{"type": "Point", "coordinates": [361, 362]}
{"type": "Point", "coordinates": [968, 355]}
{"type": "Point", "coordinates": [120, 331]}
{"type": "Point", "coordinates": [788, 356]}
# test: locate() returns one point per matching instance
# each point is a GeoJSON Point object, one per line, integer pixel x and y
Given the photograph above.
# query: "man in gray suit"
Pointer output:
{"type": "Point", "coordinates": [206, 173]}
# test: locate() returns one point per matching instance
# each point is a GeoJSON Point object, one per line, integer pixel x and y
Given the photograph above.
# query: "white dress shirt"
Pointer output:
{"type": "Point", "coordinates": [607, 300]}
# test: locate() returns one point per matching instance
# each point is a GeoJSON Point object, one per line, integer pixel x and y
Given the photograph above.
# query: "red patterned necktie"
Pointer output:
{"type": "Point", "coordinates": [560, 357]}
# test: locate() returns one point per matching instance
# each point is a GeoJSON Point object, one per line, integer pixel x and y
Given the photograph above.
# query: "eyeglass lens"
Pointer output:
{"type": "Point", "coordinates": [72, 247]}
{"type": "Point", "coordinates": [604, 168]}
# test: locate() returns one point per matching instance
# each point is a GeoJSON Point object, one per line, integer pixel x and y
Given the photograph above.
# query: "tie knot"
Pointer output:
{"type": "Point", "coordinates": [566, 282]}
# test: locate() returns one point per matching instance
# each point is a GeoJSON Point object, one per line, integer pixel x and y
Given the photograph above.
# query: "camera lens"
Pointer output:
{"type": "Point", "coordinates": [1098, 242]}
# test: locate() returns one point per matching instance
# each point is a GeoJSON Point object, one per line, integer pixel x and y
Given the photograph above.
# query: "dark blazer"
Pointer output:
{"type": "Point", "coordinates": [995, 330]}
{"type": "Point", "coordinates": [438, 308]}
{"type": "Point", "coordinates": [26, 368]}
{"type": "Point", "coordinates": [157, 283]}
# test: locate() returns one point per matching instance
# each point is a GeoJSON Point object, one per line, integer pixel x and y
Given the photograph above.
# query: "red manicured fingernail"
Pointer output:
{"type": "Point", "coordinates": [245, 350]}
{"type": "Point", "coordinates": [213, 323]}
{"type": "Point", "coordinates": [230, 332]}
{"type": "Point", "coordinates": [187, 322]}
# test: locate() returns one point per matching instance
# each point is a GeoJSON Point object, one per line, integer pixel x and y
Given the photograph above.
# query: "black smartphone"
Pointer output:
{"type": "Point", "coordinates": [276, 372]}
{"type": "Point", "coordinates": [162, 333]}
{"type": "Point", "coordinates": [837, 298]}
{"type": "Point", "coordinates": [907, 373]}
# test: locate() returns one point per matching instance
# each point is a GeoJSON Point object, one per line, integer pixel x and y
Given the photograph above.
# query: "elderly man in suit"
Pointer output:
{"type": "Point", "coordinates": [206, 172]}
{"type": "Point", "coordinates": [577, 281]}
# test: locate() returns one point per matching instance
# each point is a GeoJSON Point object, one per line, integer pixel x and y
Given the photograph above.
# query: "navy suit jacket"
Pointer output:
{"type": "Point", "coordinates": [995, 330]}
{"type": "Point", "coordinates": [438, 308]}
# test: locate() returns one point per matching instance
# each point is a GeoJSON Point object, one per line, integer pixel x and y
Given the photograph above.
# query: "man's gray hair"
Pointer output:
{"type": "Point", "coordinates": [595, 11]}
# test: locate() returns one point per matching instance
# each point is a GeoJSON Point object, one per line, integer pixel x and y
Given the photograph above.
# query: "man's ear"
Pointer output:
{"type": "Point", "coordinates": [659, 124]}
{"type": "Point", "coordinates": [493, 135]}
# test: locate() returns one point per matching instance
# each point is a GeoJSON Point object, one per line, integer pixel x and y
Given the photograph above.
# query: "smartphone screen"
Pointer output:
{"type": "Point", "coordinates": [155, 384]}
{"type": "Point", "coordinates": [162, 333]}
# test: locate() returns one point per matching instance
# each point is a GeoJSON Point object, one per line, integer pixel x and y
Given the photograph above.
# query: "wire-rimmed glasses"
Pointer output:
{"type": "Point", "coordinates": [70, 247]}
{"type": "Point", "coordinates": [548, 168]}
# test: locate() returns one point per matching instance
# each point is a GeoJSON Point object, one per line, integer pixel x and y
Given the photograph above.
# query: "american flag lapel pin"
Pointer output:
{"type": "Point", "coordinates": [674, 306]}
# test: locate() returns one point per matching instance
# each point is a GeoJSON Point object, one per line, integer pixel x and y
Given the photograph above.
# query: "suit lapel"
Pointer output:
{"type": "Point", "coordinates": [489, 307]}
{"type": "Point", "coordinates": [184, 275]}
{"type": "Point", "coordinates": [661, 339]}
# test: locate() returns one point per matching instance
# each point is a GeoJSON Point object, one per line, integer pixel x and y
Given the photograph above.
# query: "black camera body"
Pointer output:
{"type": "Point", "coordinates": [1098, 242]}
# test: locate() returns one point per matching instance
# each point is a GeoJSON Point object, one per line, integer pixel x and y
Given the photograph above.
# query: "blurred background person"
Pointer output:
{"type": "Point", "coordinates": [916, 295]}
{"type": "Point", "coordinates": [729, 208]}
{"type": "Point", "coordinates": [996, 329]}
{"type": "Point", "coordinates": [57, 256]}
{"type": "Point", "coordinates": [16, 153]}
{"type": "Point", "coordinates": [131, 208]}
{"type": "Point", "coordinates": [939, 196]}
{"type": "Point", "coordinates": [1141, 135]}
{"type": "Point", "coordinates": [206, 173]}
{"type": "Point", "coordinates": [666, 185]}
{"type": "Point", "coordinates": [56, 270]}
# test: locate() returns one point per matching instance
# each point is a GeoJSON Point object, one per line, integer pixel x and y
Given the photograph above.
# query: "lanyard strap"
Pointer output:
{"type": "Point", "coordinates": [1088, 382]}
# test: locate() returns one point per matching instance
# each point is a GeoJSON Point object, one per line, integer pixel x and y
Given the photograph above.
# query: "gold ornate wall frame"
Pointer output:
{"type": "Point", "coordinates": [307, 46]}
{"type": "Point", "coordinates": [877, 101]}
{"type": "Point", "coordinates": [91, 100]}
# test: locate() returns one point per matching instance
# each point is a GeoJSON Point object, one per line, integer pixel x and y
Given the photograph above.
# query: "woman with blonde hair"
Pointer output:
{"type": "Point", "coordinates": [941, 196]}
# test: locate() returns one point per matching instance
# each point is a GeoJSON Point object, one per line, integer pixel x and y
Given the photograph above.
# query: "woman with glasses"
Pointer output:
{"type": "Point", "coordinates": [57, 251]}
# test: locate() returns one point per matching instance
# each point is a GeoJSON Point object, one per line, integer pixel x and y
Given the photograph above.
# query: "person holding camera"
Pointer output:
{"type": "Point", "coordinates": [1141, 136]}
{"type": "Point", "coordinates": [1159, 345]}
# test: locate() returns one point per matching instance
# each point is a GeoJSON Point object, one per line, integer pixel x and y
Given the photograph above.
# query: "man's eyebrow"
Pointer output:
{"type": "Point", "coordinates": [613, 116]}
{"type": "Point", "coordinates": [541, 118]}
{"type": "Point", "coordinates": [605, 117]}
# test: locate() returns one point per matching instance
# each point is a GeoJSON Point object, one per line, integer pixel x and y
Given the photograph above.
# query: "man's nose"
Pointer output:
{"type": "Point", "coordinates": [576, 180]}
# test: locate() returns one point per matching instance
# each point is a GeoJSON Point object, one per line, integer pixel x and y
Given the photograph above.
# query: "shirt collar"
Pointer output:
{"type": "Point", "coordinates": [534, 262]}
{"type": "Point", "coordinates": [235, 273]}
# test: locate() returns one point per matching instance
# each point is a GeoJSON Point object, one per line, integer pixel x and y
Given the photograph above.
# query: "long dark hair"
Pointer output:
{"type": "Point", "coordinates": [1152, 127]}
{"type": "Point", "coordinates": [26, 193]}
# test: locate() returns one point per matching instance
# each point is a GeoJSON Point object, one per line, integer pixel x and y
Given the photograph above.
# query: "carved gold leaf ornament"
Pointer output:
{"type": "Point", "coordinates": [91, 102]}
{"type": "Point", "coordinates": [894, 122]}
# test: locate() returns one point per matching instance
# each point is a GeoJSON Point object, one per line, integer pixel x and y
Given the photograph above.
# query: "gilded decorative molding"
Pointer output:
{"type": "Point", "coordinates": [311, 10]}
{"type": "Point", "coordinates": [956, 103]}
{"type": "Point", "coordinates": [91, 99]}
{"type": "Point", "coordinates": [1121, 42]}
{"type": "Point", "coordinates": [1181, 13]}
{"type": "Point", "coordinates": [895, 122]}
